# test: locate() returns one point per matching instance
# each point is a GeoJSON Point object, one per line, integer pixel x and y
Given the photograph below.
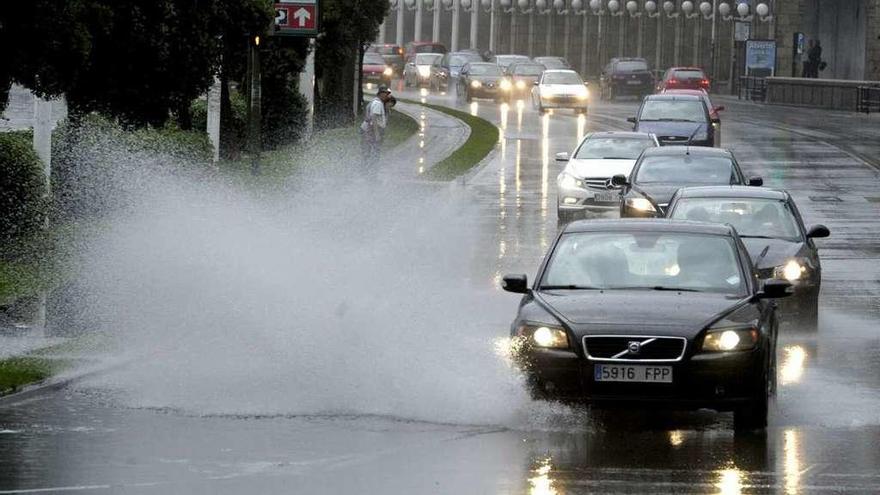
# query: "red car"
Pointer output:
{"type": "Point", "coordinates": [713, 110]}
{"type": "Point", "coordinates": [684, 78]}
{"type": "Point", "coordinates": [374, 69]}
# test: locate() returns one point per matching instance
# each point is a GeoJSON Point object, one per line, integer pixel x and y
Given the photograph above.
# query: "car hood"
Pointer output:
{"type": "Point", "coordinates": [486, 79]}
{"type": "Point", "coordinates": [633, 312]}
{"type": "Point", "coordinates": [778, 252]}
{"type": "Point", "coordinates": [660, 193]}
{"type": "Point", "coordinates": [667, 128]}
{"type": "Point", "coordinates": [525, 78]}
{"type": "Point", "coordinates": [598, 167]}
{"type": "Point", "coordinates": [563, 88]}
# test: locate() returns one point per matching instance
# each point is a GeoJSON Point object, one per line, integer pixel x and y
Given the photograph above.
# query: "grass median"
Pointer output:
{"type": "Point", "coordinates": [482, 140]}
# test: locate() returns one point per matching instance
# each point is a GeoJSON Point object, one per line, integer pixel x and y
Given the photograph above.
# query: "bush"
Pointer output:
{"type": "Point", "coordinates": [233, 140]}
{"type": "Point", "coordinates": [22, 187]}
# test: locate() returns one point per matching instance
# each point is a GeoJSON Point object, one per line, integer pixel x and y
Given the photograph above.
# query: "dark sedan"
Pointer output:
{"type": "Point", "coordinates": [640, 313]}
{"type": "Point", "coordinates": [524, 76]}
{"type": "Point", "coordinates": [772, 230]}
{"type": "Point", "coordinates": [482, 80]}
{"type": "Point", "coordinates": [659, 172]}
{"type": "Point", "coordinates": [625, 76]}
{"type": "Point", "coordinates": [676, 120]}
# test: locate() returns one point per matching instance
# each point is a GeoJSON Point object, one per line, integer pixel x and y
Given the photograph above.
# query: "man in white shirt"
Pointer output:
{"type": "Point", "coordinates": [373, 128]}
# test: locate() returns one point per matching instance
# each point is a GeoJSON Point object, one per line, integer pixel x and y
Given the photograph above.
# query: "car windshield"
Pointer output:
{"type": "Point", "coordinates": [675, 110]}
{"type": "Point", "coordinates": [632, 66]}
{"type": "Point", "coordinates": [628, 148]}
{"type": "Point", "coordinates": [428, 58]}
{"type": "Point", "coordinates": [562, 78]}
{"type": "Point", "coordinates": [373, 59]}
{"type": "Point", "coordinates": [552, 63]}
{"type": "Point", "coordinates": [644, 260]}
{"type": "Point", "coordinates": [686, 169]}
{"type": "Point", "coordinates": [461, 59]}
{"type": "Point", "coordinates": [484, 70]}
{"type": "Point", "coordinates": [751, 217]}
{"type": "Point", "coordinates": [505, 60]}
{"type": "Point", "coordinates": [388, 50]}
{"type": "Point", "coordinates": [429, 49]}
{"type": "Point", "coordinates": [527, 70]}
{"type": "Point", "coordinates": [688, 74]}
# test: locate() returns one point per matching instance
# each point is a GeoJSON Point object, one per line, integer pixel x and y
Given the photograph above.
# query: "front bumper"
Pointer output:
{"type": "Point", "coordinates": [565, 102]}
{"type": "Point", "coordinates": [720, 381]}
{"type": "Point", "coordinates": [623, 88]}
{"type": "Point", "coordinates": [578, 200]}
{"type": "Point", "coordinates": [486, 91]}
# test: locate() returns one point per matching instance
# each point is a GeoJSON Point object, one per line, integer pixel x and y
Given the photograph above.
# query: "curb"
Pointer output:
{"type": "Point", "coordinates": [55, 383]}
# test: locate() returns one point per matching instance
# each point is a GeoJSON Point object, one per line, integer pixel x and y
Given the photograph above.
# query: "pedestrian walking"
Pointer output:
{"type": "Point", "coordinates": [373, 129]}
{"type": "Point", "coordinates": [814, 60]}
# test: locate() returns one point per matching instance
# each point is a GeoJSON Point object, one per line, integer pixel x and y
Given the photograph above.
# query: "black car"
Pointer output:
{"type": "Point", "coordinates": [772, 230]}
{"type": "Point", "coordinates": [482, 80]}
{"type": "Point", "coordinates": [649, 313]}
{"type": "Point", "coordinates": [449, 69]}
{"type": "Point", "coordinates": [676, 120]}
{"type": "Point", "coordinates": [626, 76]}
{"type": "Point", "coordinates": [659, 172]}
{"type": "Point", "coordinates": [523, 76]}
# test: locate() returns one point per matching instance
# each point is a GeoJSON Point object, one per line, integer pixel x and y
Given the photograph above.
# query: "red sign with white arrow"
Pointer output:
{"type": "Point", "coordinates": [297, 18]}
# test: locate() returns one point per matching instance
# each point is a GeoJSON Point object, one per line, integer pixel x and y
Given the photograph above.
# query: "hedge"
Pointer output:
{"type": "Point", "coordinates": [22, 187]}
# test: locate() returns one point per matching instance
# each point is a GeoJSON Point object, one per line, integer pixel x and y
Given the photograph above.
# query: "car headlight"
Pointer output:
{"type": "Point", "coordinates": [583, 94]}
{"type": "Point", "coordinates": [476, 84]}
{"type": "Point", "coordinates": [791, 271]}
{"type": "Point", "coordinates": [640, 204]}
{"type": "Point", "coordinates": [520, 85]}
{"type": "Point", "coordinates": [505, 85]}
{"type": "Point", "coordinates": [388, 71]}
{"type": "Point", "coordinates": [424, 70]}
{"type": "Point", "coordinates": [570, 182]}
{"type": "Point", "coordinates": [544, 335]}
{"type": "Point", "coordinates": [730, 339]}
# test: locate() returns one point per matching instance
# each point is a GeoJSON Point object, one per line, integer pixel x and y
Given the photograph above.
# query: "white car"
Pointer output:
{"type": "Point", "coordinates": [417, 71]}
{"type": "Point", "coordinates": [585, 182]}
{"type": "Point", "coordinates": [561, 89]}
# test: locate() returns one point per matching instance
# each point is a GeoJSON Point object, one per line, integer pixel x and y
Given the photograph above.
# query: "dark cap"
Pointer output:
{"type": "Point", "coordinates": [383, 89]}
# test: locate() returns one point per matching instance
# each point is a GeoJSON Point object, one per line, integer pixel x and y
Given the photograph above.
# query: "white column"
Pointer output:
{"type": "Point", "coordinates": [400, 9]}
{"type": "Point", "coordinates": [531, 48]}
{"type": "Point", "coordinates": [435, 27]}
{"type": "Point", "coordinates": [492, 26]}
{"type": "Point", "coordinates": [676, 53]}
{"type": "Point", "coordinates": [658, 55]}
{"type": "Point", "coordinates": [381, 40]}
{"type": "Point", "coordinates": [456, 24]}
{"type": "Point", "coordinates": [621, 36]}
{"type": "Point", "coordinates": [475, 23]}
{"type": "Point", "coordinates": [513, 29]}
{"type": "Point", "coordinates": [43, 135]}
{"type": "Point", "coordinates": [213, 118]}
{"type": "Point", "coordinates": [566, 37]}
{"type": "Point", "coordinates": [698, 34]}
{"type": "Point", "coordinates": [584, 20]}
{"type": "Point", "coordinates": [417, 32]}
{"type": "Point", "coordinates": [548, 40]}
{"type": "Point", "coordinates": [641, 27]}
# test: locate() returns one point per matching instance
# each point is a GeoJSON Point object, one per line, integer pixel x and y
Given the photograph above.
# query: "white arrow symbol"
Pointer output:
{"type": "Point", "coordinates": [302, 15]}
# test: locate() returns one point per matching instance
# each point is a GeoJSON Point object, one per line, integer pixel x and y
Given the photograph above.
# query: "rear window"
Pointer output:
{"type": "Point", "coordinates": [562, 78]}
{"type": "Point", "coordinates": [632, 66]}
{"type": "Point", "coordinates": [387, 50]}
{"type": "Point", "coordinates": [434, 48]}
{"type": "Point", "coordinates": [372, 58]}
{"type": "Point", "coordinates": [528, 70]}
{"type": "Point", "coordinates": [674, 110]}
{"type": "Point", "coordinates": [688, 74]}
{"type": "Point", "coordinates": [427, 58]}
{"type": "Point", "coordinates": [686, 169]}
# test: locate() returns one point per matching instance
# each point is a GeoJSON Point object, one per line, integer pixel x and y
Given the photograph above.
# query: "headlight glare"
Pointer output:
{"type": "Point", "coordinates": [505, 85]}
{"type": "Point", "coordinates": [730, 339]}
{"type": "Point", "coordinates": [571, 182]}
{"type": "Point", "coordinates": [640, 204]}
{"type": "Point", "coordinates": [790, 271]}
{"type": "Point", "coordinates": [424, 70]}
{"type": "Point", "coordinates": [476, 84]}
{"type": "Point", "coordinates": [520, 85]}
{"type": "Point", "coordinates": [544, 336]}
{"type": "Point", "coordinates": [388, 71]}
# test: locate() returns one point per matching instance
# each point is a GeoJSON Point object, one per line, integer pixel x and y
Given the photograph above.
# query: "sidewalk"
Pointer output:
{"type": "Point", "coordinates": [439, 136]}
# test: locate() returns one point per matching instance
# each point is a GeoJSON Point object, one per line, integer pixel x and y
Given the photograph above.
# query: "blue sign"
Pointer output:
{"type": "Point", "coordinates": [761, 55]}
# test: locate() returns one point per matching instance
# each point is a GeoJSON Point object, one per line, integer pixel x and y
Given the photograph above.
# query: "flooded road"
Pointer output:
{"type": "Point", "coordinates": [422, 409]}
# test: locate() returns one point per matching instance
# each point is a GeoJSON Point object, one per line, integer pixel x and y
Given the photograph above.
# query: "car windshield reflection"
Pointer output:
{"type": "Point", "coordinates": [751, 217]}
{"type": "Point", "coordinates": [686, 169]}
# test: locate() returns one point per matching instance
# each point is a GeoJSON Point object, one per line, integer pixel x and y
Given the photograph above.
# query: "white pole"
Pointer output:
{"type": "Point", "coordinates": [213, 118]}
{"type": "Point", "coordinates": [512, 31]}
{"type": "Point", "coordinates": [417, 36]}
{"type": "Point", "coordinates": [399, 25]}
{"type": "Point", "coordinates": [307, 88]}
{"type": "Point", "coordinates": [382, 33]}
{"type": "Point", "coordinates": [584, 44]}
{"type": "Point", "coordinates": [491, 27]}
{"type": "Point", "coordinates": [548, 40]}
{"type": "Point", "coordinates": [43, 136]}
{"type": "Point", "coordinates": [531, 46]}
{"type": "Point", "coordinates": [475, 22]}
{"type": "Point", "coordinates": [566, 37]}
{"type": "Point", "coordinates": [456, 21]}
{"type": "Point", "coordinates": [641, 27]}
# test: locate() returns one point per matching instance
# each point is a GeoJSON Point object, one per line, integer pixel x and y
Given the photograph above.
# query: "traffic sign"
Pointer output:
{"type": "Point", "coordinates": [297, 18]}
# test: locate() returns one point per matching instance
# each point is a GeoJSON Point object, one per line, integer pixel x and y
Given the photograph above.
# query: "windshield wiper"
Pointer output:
{"type": "Point", "coordinates": [619, 158]}
{"type": "Point", "coordinates": [660, 287]}
{"type": "Point", "coordinates": [568, 287]}
{"type": "Point", "coordinates": [756, 236]}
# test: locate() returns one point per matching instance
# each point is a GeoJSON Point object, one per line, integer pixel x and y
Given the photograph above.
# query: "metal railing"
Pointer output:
{"type": "Point", "coordinates": [868, 99]}
{"type": "Point", "coordinates": [752, 88]}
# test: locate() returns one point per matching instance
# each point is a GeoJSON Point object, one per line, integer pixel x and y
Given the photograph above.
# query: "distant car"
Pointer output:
{"type": "Point", "coordinates": [447, 71]}
{"type": "Point", "coordinates": [393, 55]}
{"type": "Point", "coordinates": [551, 63]}
{"type": "Point", "coordinates": [417, 71]}
{"type": "Point", "coordinates": [648, 315]}
{"type": "Point", "coordinates": [585, 183]}
{"type": "Point", "coordinates": [684, 78]}
{"type": "Point", "coordinates": [559, 89]}
{"type": "Point", "coordinates": [625, 76]}
{"type": "Point", "coordinates": [714, 111]}
{"type": "Point", "coordinates": [483, 80]}
{"type": "Point", "coordinates": [524, 75]}
{"type": "Point", "coordinates": [772, 230]}
{"type": "Point", "coordinates": [676, 120]}
{"type": "Point", "coordinates": [659, 172]}
{"type": "Point", "coordinates": [504, 61]}
{"type": "Point", "coordinates": [414, 47]}
{"type": "Point", "coordinates": [374, 69]}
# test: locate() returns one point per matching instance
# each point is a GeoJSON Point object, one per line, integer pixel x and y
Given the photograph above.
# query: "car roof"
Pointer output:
{"type": "Point", "coordinates": [549, 58]}
{"type": "Point", "coordinates": [667, 96]}
{"type": "Point", "coordinates": [687, 68]}
{"type": "Point", "coordinates": [622, 134]}
{"type": "Point", "coordinates": [732, 192]}
{"type": "Point", "coordinates": [555, 71]}
{"type": "Point", "coordinates": [649, 225]}
{"type": "Point", "coordinates": [695, 92]}
{"type": "Point", "coordinates": [628, 59]}
{"type": "Point", "coordinates": [492, 64]}
{"type": "Point", "coordinates": [512, 55]}
{"type": "Point", "coordinates": [687, 150]}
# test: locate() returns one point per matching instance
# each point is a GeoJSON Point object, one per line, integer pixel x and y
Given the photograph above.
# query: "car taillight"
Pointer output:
{"type": "Point", "coordinates": [704, 83]}
{"type": "Point", "coordinates": [672, 82]}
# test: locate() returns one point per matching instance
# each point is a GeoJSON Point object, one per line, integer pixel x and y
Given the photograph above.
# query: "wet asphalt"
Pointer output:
{"type": "Point", "coordinates": [824, 434]}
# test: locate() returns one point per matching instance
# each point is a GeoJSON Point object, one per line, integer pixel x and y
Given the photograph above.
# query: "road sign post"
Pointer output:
{"type": "Point", "coordinates": [297, 18]}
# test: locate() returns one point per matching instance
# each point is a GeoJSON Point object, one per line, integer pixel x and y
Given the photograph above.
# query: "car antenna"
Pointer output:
{"type": "Point", "coordinates": [687, 149]}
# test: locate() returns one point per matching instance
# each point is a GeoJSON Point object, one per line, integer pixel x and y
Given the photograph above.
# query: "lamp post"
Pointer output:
{"type": "Point", "coordinates": [433, 6]}
{"type": "Point", "coordinates": [417, 30]}
{"type": "Point", "coordinates": [561, 9]}
{"type": "Point", "coordinates": [615, 11]}
{"type": "Point", "coordinates": [687, 8]}
{"type": "Point", "coordinates": [599, 12]}
{"type": "Point", "coordinates": [669, 9]}
{"type": "Point", "coordinates": [652, 12]}
{"type": "Point", "coordinates": [632, 7]}
{"type": "Point", "coordinates": [397, 5]}
{"type": "Point", "coordinates": [578, 7]}
{"type": "Point", "coordinates": [471, 7]}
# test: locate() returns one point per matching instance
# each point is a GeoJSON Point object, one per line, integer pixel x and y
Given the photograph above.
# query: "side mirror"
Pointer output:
{"type": "Point", "coordinates": [756, 181]}
{"type": "Point", "coordinates": [774, 288]}
{"type": "Point", "coordinates": [562, 157]}
{"type": "Point", "coordinates": [515, 283]}
{"type": "Point", "coordinates": [817, 231]}
{"type": "Point", "coordinates": [537, 83]}
{"type": "Point", "coordinates": [631, 120]}
{"type": "Point", "coordinates": [586, 83]}
{"type": "Point", "coordinates": [716, 121]}
{"type": "Point", "coordinates": [720, 108]}
{"type": "Point", "coordinates": [619, 180]}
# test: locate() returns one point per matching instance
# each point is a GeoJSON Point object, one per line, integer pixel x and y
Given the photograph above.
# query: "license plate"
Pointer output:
{"type": "Point", "coordinates": [632, 373]}
{"type": "Point", "coordinates": [605, 197]}
{"type": "Point", "coordinates": [634, 82]}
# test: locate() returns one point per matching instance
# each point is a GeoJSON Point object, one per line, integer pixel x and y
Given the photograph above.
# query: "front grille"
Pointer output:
{"type": "Point", "coordinates": [620, 348]}
{"type": "Point", "coordinates": [600, 183]}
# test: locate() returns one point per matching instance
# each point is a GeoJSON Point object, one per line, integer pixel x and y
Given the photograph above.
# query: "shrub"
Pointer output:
{"type": "Point", "coordinates": [233, 138]}
{"type": "Point", "coordinates": [22, 187]}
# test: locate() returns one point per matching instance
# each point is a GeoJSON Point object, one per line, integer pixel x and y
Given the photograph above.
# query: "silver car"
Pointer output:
{"type": "Point", "coordinates": [585, 182]}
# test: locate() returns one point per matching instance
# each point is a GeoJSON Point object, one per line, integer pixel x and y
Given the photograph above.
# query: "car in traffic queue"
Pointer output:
{"type": "Point", "coordinates": [560, 89]}
{"type": "Point", "coordinates": [684, 78]}
{"type": "Point", "coordinates": [393, 55]}
{"type": "Point", "coordinates": [584, 185]}
{"type": "Point", "coordinates": [677, 120]}
{"type": "Point", "coordinates": [483, 80]}
{"type": "Point", "coordinates": [414, 47]}
{"type": "Point", "coordinates": [524, 76]}
{"type": "Point", "coordinates": [649, 314]}
{"type": "Point", "coordinates": [552, 63]}
{"type": "Point", "coordinates": [773, 231]}
{"type": "Point", "coordinates": [448, 70]}
{"type": "Point", "coordinates": [504, 61]}
{"type": "Point", "coordinates": [659, 172]}
{"type": "Point", "coordinates": [374, 70]}
{"type": "Point", "coordinates": [714, 111]}
{"type": "Point", "coordinates": [417, 71]}
{"type": "Point", "coordinates": [625, 77]}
